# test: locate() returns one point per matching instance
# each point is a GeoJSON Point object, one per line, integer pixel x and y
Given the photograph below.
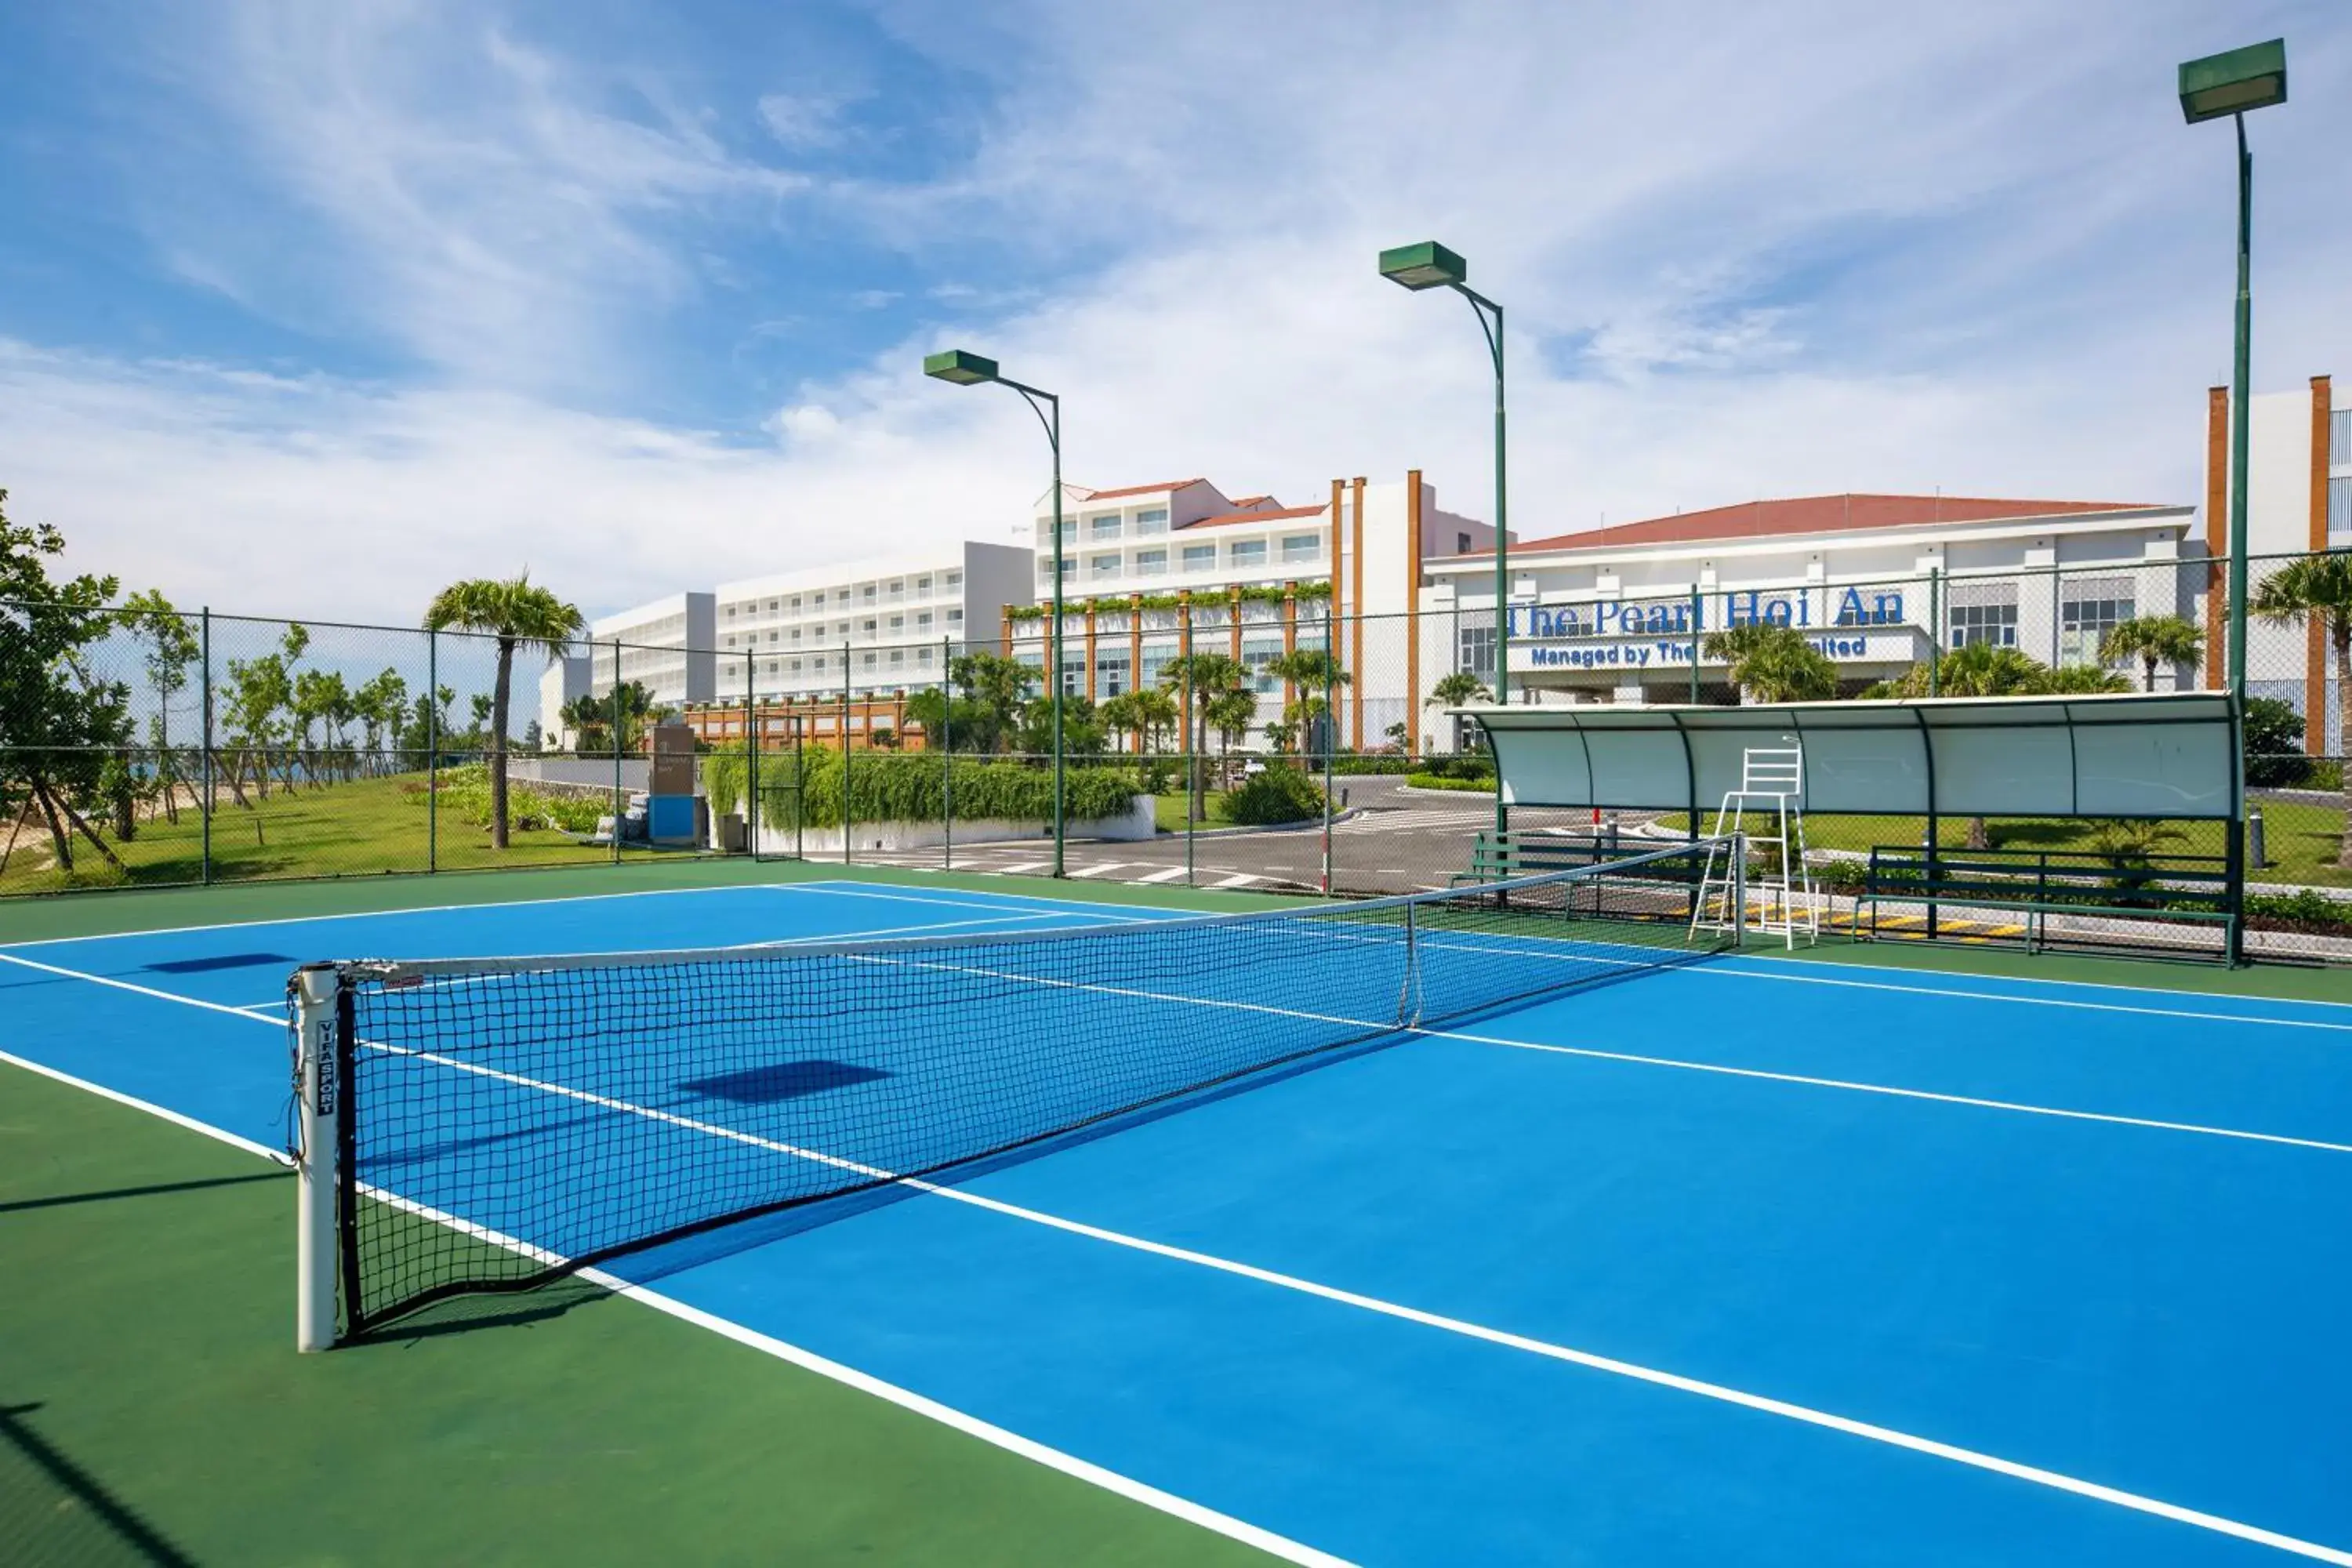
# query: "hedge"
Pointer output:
{"type": "Point", "coordinates": [905, 786]}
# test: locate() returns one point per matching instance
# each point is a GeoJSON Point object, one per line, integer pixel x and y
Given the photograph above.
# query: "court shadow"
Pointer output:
{"type": "Point", "coordinates": [780, 1081]}
{"type": "Point", "coordinates": [111, 1193]}
{"type": "Point", "coordinates": [483, 1311]}
{"type": "Point", "coordinates": [52, 1511]}
{"type": "Point", "coordinates": [221, 961]}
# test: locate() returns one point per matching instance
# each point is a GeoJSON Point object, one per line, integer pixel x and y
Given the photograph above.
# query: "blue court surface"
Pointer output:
{"type": "Point", "coordinates": [1744, 1261]}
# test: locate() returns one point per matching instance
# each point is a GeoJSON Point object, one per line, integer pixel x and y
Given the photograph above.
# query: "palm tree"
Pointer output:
{"type": "Point", "coordinates": [2321, 586]}
{"type": "Point", "coordinates": [1207, 682]}
{"type": "Point", "coordinates": [1773, 663]}
{"type": "Point", "coordinates": [2153, 640]}
{"type": "Point", "coordinates": [521, 616]}
{"type": "Point", "coordinates": [1315, 675]}
{"type": "Point", "coordinates": [1458, 690]}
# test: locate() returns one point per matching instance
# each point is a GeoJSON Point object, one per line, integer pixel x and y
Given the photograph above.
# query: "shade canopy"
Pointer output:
{"type": "Point", "coordinates": [1428, 265]}
{"type": "Point", "coordinates": [956, 365]}
{"type": "Point", "coordinates": [2161, 755]}
{"type": "Point", "coordinates": [2232, 83]}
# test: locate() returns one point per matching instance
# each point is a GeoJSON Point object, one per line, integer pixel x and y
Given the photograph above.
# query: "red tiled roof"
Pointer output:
{"type": "Point", "coordinates": [1817, 514]}
{"type": "Point", "coordinates": [1272, 515]}
{"type": "Point", "coordinates": [1245, 502]}
{"type": "Point", "coordinates": [1144, 490]}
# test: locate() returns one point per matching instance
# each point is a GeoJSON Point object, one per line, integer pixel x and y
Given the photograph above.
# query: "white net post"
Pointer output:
{"type": "Point", "coordinates": [316, 988]}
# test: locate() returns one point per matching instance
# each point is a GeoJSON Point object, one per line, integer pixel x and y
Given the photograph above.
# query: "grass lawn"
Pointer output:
{"type": "Point", "coordinates": [153, 1408]}
{"type": "Point", "coordinates": [361, 828]}
{"type": "Point", "coordinates": [1170, 810]}
{"type": "Point", "coordinates": [2301, 840]}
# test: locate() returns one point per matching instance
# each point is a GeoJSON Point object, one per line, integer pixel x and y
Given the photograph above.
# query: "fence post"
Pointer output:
{"type": "Point", "coordinates": [847, 814]}
{"type": "Point", "coordinates": [206, 683]}
{"type": "Point", "coordinates": [620, 794]}
{"type": "Point", "coordinates": [1697, 614]}
{"type": "Point", "coordinates": [947, 759]}
{"type": "Point", "coordinates": [1191, 756]}
{"type": "Point", "coordinates": [1331, 726]}
{"type": "Point", "coordinates": [433, 751]}
{"type": "Point", "coordinates": [751, 754]}
{"type": "Point", "coordinates": [1935, 629]}
{"type": "Point", "coordinates": [2057, 648]}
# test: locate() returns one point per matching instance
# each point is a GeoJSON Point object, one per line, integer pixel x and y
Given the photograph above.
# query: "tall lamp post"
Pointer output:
{"type": "Point", "coordinates": [970, 370]}
{"type": "Point", "coordinates": [1430, 265]}
{"type": "Point", "coordinates": [2229, 84]}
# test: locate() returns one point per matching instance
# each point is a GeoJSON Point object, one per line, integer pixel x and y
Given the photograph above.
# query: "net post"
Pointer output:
{"type": "Point", "coordinates": [947, 756]}
{"type": "Point", "coordinates": [316, 989]}
{"type": "Point", "coordinates": [433, 751]}
{"type": "Point", "coordinates": [206, 655]}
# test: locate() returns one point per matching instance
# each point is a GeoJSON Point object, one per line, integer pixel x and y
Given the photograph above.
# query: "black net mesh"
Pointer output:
{"type": "Point", "coordinates": [511, 1120]}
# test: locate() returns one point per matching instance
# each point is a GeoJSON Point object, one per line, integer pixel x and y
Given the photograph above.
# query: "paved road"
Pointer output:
{"type": "Point", "coordinates": [1392, 840]}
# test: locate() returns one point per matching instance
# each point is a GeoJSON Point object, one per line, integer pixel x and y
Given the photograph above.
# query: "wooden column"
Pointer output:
{"type": "Point", "coordinates": [2315, 657]}
{"type": "Point", "coordinates": [2217, 532]}
{"type": "Point", "coordinates": [1090, 651]}
{"type": "Point", "coordinates": [1008, 634]}
{"type": "Point", "coordinates": [1289, 639]}
{"type": "Point", "coordinates": [1356, 591]}
{"type": "Point", "coordinates": [1411, 610]}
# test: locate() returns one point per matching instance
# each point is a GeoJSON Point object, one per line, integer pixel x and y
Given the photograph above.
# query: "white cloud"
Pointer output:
{"type": "Point", "coordinates": [1812, 248]}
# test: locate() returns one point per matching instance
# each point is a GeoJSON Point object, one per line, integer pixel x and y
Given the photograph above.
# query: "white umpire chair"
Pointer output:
{"type": "Point", "coordinates": [1780, 901]}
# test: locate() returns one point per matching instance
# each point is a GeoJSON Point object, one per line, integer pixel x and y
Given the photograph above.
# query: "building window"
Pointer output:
{"type": "Point", "coordinates": [898, 656]}
{"type": "Point", "coordinates": [898, 623]}
{"type": "Point", "coordinates": [1199, 558]}
{"type": "Point", "coordinates": [1258, 654]}
{"type": "Point", "coordinates": [2340, 504]}
{"type": "Point", "coordinates": [955, 618]}
{"type": "Point", "coordinates": [2339, 437]}
{"type": "Point", "coordinates": [868, 626]}
{"type": "Point", "coordinates": [773, 636]}
{"type": "Point", "coordinates": [1105, 566]}
{"type": "Point", "coordinates": [792, 665]}
{"type": "Point", "coordinates": [955, 579]}
{"type": "Point", "coordinates": [1102, 527]}
{"type": "Point", "coordinates": [1302, 547]}
{"type": "Point", "coordinates": [796, 604]}
{"type": "Point", "coordinates": [923, 584]}
{"type": "Point", "coordinates": [1249, 552]}
{"type": "Point", "coordinates": [1476, 652]}
{"type": "Point", "coordinates": [1111, 674]}
{"type": "Point", "coordinates": [1151, 562]}
{"type": "Point", "coordinates": [1986, 614]}
{"type": "Point", "coordinates": [1155, 521]}
{"type": "Point", "coordinates": [2086, 611]}
{"type": "Point", "coordinates": [1461, 544]}
{"type": "Point", "coordinates": [731, 612]}
{"type": "Point", "coordinates": [923, 621]}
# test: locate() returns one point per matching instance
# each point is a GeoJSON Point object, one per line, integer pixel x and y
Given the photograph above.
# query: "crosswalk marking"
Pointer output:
{"type": "Point", "coordinates": [1099, 869]}
{"type": "Point", "coordinates": [1169, 875]}
{"type": "Point", "coordinates": [1238, 879]}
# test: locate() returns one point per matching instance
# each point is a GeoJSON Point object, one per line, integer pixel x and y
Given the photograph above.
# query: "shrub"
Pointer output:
{"type": "Point", "coordinates": [2308, 911]}
{"type": "Point", "coordinates": [2275, 755]}
{"type": "Point", "coordinates": [1441, 781]}
{"type": "Point", "coordinates": [903, 786]}
{"type": "Point", "coordinates": [1275, 797]}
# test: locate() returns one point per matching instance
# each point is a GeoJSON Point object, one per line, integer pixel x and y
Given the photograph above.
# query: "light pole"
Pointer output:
{"type": "Point", "coordinates": [1430, 265]}
{"type": "Point", "coordinates": [2232, 83]}
{"type": "Point", "coordinates": [969, 370]}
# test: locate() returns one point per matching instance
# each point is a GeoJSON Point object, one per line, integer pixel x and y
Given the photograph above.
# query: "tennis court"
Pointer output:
{"type": "Point", "coordinates": [1729, 1259]}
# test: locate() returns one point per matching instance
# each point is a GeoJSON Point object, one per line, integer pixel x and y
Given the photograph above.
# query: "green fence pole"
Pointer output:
{"type": "Point", "coordinates": [947, 759]}
{"type": "Point", "coordinates": [1192, 760]}
{"type": "Point", "coordinates": [205, 638]}
{"type": "Point", "coordinates": [1935, 629]}
{"type": "Point", "coordinates": [1697, 609]}
{"type": "Point", "coordinates": [620, 793]}
{"type": "Point", "coordinates": [1330, 735]}
{"type": "Point", "coordinates": [431, 751]}
{"type": "Point", "coordinates": [847, 814]}
{"type": "Point", "coordinates": [750, 752]}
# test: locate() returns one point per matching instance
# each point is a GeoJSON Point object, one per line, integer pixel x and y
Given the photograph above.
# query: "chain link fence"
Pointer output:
{"type": "Point", "coordinates": [1240, 741]}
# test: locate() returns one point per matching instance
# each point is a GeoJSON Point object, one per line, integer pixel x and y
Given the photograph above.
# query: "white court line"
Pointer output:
{"type": "Point", "coordinates": [1760, 1403]}
{"type": "Point", "coordinates": [905, 1399]}
{"type": "Point", "coordinates": [151, 1108]}
{"type": "Point", "coordinates": [1720, 1392]}
{"type": "Point", "coordinates": [378, 914]}
{"type": "Point", "coordinates": [986, 900]}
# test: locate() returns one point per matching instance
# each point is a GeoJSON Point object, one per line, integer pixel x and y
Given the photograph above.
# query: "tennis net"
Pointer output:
{"type": "Point", "coordinates": [495, 1123]}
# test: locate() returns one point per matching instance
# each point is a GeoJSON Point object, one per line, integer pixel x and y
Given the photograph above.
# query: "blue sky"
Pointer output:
{"type": "Point", "coordinates": [312, 306]}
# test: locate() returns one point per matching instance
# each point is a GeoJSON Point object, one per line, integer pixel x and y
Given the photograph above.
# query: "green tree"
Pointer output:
{"type": "Point", "coordinates": [2274, 754]}
{"type": "Point", "coordinates": [58, 721]}
{"type": "Point", "coordinates": [168, 647]}
{"type": "Point", "coordinates": [2153, 640]}
{"type": "Point", "coordinates": [1773, 663]}
{"type": "Point", "coordinates": [1214, 688]}
{"type": "Point", "coordinates": [380, 703]}
{"type": "Point", "coordinates": [2318, 588]}
{"type": "Point", "coordinates": [1315, 675]}
{"type": "Point", "coordinates": [1144, 712]}
{"type": "Point", "coordinates": [1459, 689]}
{"type": "Point", "coordinates": [521, 616]}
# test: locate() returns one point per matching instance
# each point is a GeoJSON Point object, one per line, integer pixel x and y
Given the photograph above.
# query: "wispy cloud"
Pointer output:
{"type": "Point", "coordinates": [1745, 252]}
